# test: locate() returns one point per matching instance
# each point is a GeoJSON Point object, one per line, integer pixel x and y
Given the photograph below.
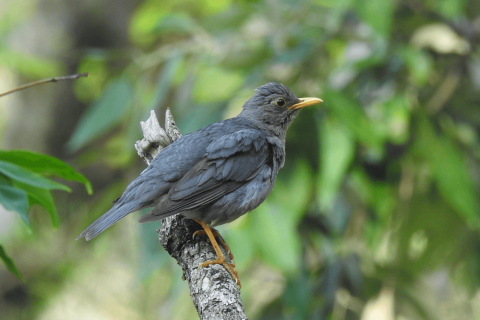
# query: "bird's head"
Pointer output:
{"type": "Point", "coordinates": [275, 105]}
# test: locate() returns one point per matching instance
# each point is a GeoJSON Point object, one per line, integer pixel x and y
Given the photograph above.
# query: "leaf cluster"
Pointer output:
{"type": "Point", "coordinates": [25, 181]}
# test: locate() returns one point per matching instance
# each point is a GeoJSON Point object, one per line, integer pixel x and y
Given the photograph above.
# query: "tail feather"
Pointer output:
{"type": "Point", "coordinates": [116, 213]}
{"type": "Point", "coordinates": [158, 211]}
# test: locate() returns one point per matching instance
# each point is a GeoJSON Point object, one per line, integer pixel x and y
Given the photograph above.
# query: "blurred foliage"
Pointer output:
{"type": "Point", "coordinates": [23, 183]}
{"type": "Point", "coordinates": [377, 208]}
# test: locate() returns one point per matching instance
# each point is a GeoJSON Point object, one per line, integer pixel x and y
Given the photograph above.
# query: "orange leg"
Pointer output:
{"type": "Point", "coordinates": [219, 238]}
{"type": "Point", "coordinates": [220, 258]}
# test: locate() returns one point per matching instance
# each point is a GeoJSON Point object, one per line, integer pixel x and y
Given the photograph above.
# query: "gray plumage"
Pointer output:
{"type": "Point", "coordinates": [217, 173]}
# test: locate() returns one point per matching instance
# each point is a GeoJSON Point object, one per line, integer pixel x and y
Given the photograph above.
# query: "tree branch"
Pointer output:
{"type": "Point", "coordinates": [36, 83]}
{"type": "Point", "coordinates": [213, 291]}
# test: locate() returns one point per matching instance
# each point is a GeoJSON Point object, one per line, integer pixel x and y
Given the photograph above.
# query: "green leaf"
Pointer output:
{"type": "Point", "coordinates": [215, 84]}
{"type": "Point", "coordinates": [9, 263]}
{"type": "Point", "coordinates": [28, 177]}
{"type": "Point", "coordinates": [396, 119]}
{"type": "Point", "coordinates": [103, 114]}
{"type": "Point", "coordinates": [212, 7]}
{"type": "Point", "coordinates": [378, 14]}
{"type": "Point", "coordinates": [144, 20]}
{"type": "Point", "coordinates": [450, 8]}
{"type": "Point", "coordinates": [96, 63]}
{"type": "Point", "coordinates": [450, 171]}
{"type": "Point", "coordinates": [45, 165]}
{"type": "Point", "coordinates": [30, 65]}
{"type": "Point", "coordinates": [419, 64]}
{"type": "Point", "coordinates": [14, 199]}
{"type": "Point", "coordinates": [175, 22]}
{"type": "Point", "coordinates": [276, 239]}
{"type": "Point", "coordinates": [350, 114]}
{"type": "Point", "coordinates": [336, 14]}
{"type": "Point", "coordinates": [293, 193]}
{"type": "Point", "coordinates": [42, 197]}
{"type": "Point", "coordinates": [165, 81]}
{"type": "Point", "coordinates": [242, 246]}
{"type": "Point", "coordinates": [336, 153]}
{"type": "Point", "coordinates": [273, 225]}
{"type": "Point", "coordinates": [151, 259]}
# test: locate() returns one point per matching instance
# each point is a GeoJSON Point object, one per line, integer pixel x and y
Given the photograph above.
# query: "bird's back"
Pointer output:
{"type": "Point", "coordinates": [175, 160]}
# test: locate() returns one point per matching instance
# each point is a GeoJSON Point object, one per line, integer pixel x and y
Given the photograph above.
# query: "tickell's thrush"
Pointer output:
{"type": "Point", "coordinates": [218, 173]}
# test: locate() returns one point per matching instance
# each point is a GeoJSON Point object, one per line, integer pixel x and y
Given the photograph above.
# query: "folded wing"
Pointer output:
{"type": "Point", "coordinates": [229, 162]}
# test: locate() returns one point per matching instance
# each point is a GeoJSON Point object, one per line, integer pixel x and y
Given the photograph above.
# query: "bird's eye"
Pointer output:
{"type": "Point", "coordinates": [280, 102]}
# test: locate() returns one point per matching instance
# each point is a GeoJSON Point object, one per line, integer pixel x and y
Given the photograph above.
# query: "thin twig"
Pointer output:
{"type": "Point", "coordinates": [55, 79]}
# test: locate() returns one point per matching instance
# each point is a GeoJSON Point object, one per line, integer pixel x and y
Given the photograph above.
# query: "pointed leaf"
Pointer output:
{"type": "Point", "coordinates": [9, 263]}
{"type": "Point", "coordinates": [45, 165]}
{"type": "Point", "coordinates": [28, 177]}
{"type": "Point", "coordinates": [42, 197]}
{"type": "Point", "coordinates": [336, 153]}
{"type": "Point", "coordinates": [450, 171]}
{"type": "Point", "coordinates": [103, 114]}
{"type": "Point", "coordinates": [14, 199]}
{"type": "Point", "coordinates": [165, 81]}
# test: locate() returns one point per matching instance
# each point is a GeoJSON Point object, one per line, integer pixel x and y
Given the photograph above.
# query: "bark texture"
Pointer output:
{"type": "Point", "coordinates": [213, 291]}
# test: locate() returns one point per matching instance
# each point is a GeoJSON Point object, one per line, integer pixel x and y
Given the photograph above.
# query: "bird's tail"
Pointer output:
{"type": "Point", "coordinates": [117, 212]}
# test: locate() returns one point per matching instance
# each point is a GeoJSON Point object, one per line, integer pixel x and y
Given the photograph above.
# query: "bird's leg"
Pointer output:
{"type": "Point", "coordinates": [220, 258]}
{"type": "Point", "coordinates": [219, 238]}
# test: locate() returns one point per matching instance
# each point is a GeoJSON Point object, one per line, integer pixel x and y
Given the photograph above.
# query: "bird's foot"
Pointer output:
{"type": "Point", "coordinates": [212, 234]}
{"type": "Point", "coordinates": [220, 240]}
{"type": "Point", "coordinates": [229, 266]}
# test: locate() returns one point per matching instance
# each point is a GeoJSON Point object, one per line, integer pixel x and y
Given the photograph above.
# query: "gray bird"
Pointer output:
{"type": "Point", "coordinates": [218, 173]}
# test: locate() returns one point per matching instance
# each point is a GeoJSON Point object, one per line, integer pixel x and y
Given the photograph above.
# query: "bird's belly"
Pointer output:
{"type": "Point", "coordinates": [238, 202]}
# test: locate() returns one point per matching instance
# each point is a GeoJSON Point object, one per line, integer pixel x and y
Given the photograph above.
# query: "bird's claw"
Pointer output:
{"type": "Point", "coordinates": [197, 232]}
{"type": "Point", "coordinates": [229, 266]}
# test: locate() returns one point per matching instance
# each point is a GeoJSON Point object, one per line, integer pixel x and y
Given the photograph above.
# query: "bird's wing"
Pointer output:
{"type": "Point", "coordinates": [229, 162]}
{"type": "Point", "coordinates": [155, 181]}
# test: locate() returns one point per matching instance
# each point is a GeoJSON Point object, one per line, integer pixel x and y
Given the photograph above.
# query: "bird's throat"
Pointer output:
{"type": "Point", "coordinates": [279, 126]}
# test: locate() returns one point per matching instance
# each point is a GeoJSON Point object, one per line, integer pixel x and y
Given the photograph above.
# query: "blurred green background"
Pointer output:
{"type": "Point", "coordinates": [375, 214]}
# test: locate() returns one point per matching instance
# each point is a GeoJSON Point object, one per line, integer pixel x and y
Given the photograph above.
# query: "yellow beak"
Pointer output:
{"type": "Point", "coordinates": [305, 102]}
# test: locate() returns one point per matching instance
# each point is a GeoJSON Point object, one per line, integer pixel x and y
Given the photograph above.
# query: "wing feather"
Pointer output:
{"type": "Point", "coordinates": [230, 162]}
